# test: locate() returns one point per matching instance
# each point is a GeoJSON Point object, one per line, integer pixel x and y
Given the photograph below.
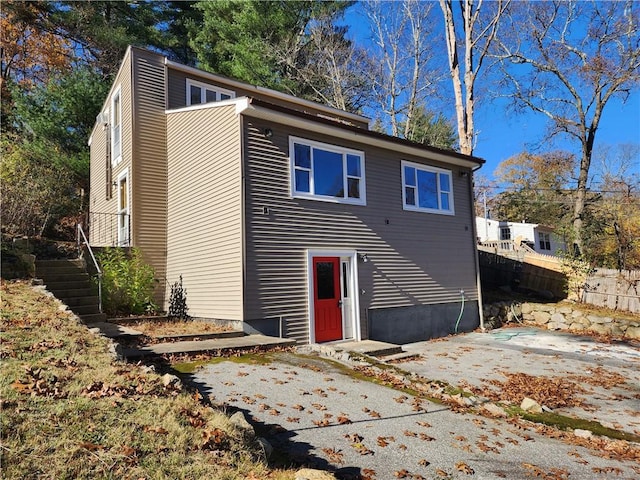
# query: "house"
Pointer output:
{"type": "Point", "coordinates": [539, 238]}
{"type": "Point", "coordinates": [282, 214]}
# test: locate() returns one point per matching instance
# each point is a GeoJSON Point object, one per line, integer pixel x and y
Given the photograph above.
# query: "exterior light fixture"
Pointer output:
{"type": "Point", "coordinates": [268, 132]}
{"type": "Point", "coordinates": [364, 258]}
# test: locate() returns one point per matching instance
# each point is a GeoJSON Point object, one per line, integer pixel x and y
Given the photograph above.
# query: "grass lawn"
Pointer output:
{"type": "Point", "coordinates": [70, 410]}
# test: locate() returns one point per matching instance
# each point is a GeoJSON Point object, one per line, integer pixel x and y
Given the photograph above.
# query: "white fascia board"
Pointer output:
{"type": "Point", "coordinates": [241, 104]}
{"type": "Point", "coordinates": [267, 92]}
{"type": "Point", "coordinates": [350, 135]}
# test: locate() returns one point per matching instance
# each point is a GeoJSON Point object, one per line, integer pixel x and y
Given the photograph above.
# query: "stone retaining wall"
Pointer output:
{"type": "Point", "coordinates": [560, 316]}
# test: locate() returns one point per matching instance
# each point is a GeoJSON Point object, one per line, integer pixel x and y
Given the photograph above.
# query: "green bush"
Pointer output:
{"type": "Point", "coordinates": [127, 282]}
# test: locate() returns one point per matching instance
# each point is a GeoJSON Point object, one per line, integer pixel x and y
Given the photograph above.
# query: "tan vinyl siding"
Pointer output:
{"type": "Point", "coordinates": [414, 258]}
{"type": "Point", "coordinates": [98, 203]}
{"type": "Point", "coordinates": [177, 86]}
{"type": "Point", "coordinates": [99, 152]}
{"type": "Point", "coordinates": [149, 174]}
{"type": "Point", "coordinates": [205, 210]}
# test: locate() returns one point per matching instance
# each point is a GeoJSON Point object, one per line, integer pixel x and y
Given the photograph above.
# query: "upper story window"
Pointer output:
{"type": "Point", "coordinates": [198, 92]}
{"type": "Point", "coordinates": [116, 127]}
{"type": "Point", "coordinates": [326, 172]}
{"type": "Point", "coordinates": [545, 241]}
{"type": "Point", "coordinates": [505, 233]}
{"type": "Point", "coordinates": [426, 189]}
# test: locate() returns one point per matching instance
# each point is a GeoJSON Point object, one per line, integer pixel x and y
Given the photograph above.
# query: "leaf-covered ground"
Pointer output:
{"type": "Point", "coordinates": [69, 410]}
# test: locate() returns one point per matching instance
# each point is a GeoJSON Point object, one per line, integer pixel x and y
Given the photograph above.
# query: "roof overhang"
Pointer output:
{"type": "Point", "coordinates": [267, 92]}
{"type": "Point", "coordinates": [257, 109]}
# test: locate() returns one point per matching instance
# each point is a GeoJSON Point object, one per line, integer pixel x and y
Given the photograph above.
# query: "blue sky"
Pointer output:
{"type": "Point", "coordinates": [501, 133]}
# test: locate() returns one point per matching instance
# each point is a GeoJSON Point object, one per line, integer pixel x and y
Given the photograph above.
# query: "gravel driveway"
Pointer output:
{"type": "Point", "coordinates": [316, 413]}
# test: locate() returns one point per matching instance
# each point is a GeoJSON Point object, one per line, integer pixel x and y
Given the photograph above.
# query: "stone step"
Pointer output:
{"type": "Point", "coordinates": [76, 262]}
{"type": "Point", "coordinates": [73, 292]}
{"type": "Point", "coordinates": [57, 287]}
{"type": "Point", "coordinates": [80, 301]}
{"type": "Point", "coordinates": [65, 277]}
{"type": "Point", "coordinates": [113, 330]}
{"type": "Point", "coordinates": [373, 348]}
{"type": "Point", "coordinates": [247, 342]}
{"type": "Point", "coordinates": [198, 336]}
{"type": "Point", "coordinates": [81, 310]}
{"type": "Point", "coordinates": [45, 272]}
{"type": "Point", "coordinates": [399, 356]}
{"type": "Point", "coordinates": [93, 318]}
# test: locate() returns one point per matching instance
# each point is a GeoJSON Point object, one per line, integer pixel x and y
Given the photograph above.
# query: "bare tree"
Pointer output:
{"type": "Point", "coordinates": [332, 70]}
{"type": "Point", "coordinates": [470, 38]}
{"type": "Point", "coordinates": [566, 60]}
{"type": "Point", "coordinates": [403, 72]}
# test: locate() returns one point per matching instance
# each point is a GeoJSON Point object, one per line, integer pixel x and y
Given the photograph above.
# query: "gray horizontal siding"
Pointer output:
{"type": "Point", "coordinates": [205, 210]}
{"type": "Point", "coordinates": [414, 259]}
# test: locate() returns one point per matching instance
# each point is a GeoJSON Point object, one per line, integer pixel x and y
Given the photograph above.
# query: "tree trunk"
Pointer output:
{"type": "Point", "coordinates": [454, 70]}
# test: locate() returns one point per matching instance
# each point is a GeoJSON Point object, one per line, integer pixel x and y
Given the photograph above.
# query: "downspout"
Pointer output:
{"type": "Point", "coordinates": [475, 250]}
{"type": "Point", "coordinates": [243, 216]}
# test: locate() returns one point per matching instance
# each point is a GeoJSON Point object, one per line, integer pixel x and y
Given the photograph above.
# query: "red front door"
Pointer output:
{"type": "Point", "coordinates": [327, 307]}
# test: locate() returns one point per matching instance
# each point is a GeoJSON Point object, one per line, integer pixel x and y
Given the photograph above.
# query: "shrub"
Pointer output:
{"type": "Point", "coordinates": [127, 282]}
{"type": "Point", "coordinates": [178, 301]}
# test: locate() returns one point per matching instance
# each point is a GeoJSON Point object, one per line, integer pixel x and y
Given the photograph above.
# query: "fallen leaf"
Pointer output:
{"type": "Point", "coordinates": [213, 439]}
{"type": "Point", "coordinates": [334, 455]}
{"type": "Point", "coordinates": [128, 451]}
{"type": "Point", "coordinates": [353, 437]}
{"type": "Point", "coordinates": [464, 468]}
{"type": "Point", "coordinates": [343, 419]}
{"type": "Point", "coordinates": [368, 474]}
{"type": "Point", "coordinates": [92, 447]}
{"type": "Point", "coordinates": [382, 442]}
{"type": "Point", "coordinates": [158, 430]}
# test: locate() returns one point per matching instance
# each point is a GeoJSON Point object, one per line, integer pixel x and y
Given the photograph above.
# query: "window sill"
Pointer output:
{"type": "Point", "coordinates": [410, 208]}
{"type": "Point", "coordinates": [318, 198]}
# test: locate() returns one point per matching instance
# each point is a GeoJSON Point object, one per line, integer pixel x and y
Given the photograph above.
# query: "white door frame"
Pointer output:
{"type": "Point", "coordinates": [122, 240]}
{"type": "Point", "coordinates": [352, 256]}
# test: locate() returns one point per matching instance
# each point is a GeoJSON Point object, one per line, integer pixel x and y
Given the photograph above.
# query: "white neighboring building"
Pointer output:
{"type": "Point", "coordinates": [539, 237]}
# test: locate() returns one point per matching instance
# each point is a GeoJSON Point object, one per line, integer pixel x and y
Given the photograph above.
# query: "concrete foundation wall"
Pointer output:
{"type": "Point", "coordinates": [421, 322]}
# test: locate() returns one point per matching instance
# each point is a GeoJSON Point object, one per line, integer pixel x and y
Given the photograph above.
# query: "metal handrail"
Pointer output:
{"type": "Point", "coordinates": [95, 264]}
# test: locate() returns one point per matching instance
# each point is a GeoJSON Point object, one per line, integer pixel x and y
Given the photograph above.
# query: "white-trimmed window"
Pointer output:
{"type": "Point", "coordinates": [326, 172]}
{"type": "Point", "coordinates": [198, 92]}
{"type": "Point", "coordinates": [544, 241]}
{"type": "Point", "coordinates": [116, 127]}
{"type": "Point", "coordinates": [427, 189]}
